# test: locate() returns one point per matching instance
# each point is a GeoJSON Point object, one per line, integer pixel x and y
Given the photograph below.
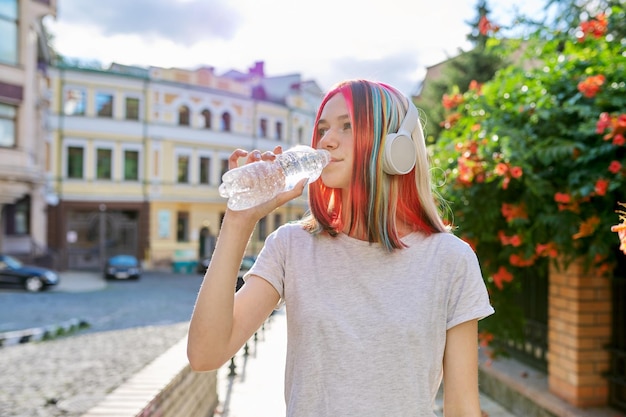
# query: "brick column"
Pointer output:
{"type": "Point", "coordinates": [579, 328]}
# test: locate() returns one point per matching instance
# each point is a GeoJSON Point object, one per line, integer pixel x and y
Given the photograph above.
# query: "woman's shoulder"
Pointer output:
{"type": "Point", "coordinates": [290, 230]}
{"type": "Point", "coordinates": [450, 243]}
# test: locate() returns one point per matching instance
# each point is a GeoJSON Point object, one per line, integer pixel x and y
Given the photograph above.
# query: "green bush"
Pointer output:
{"type": "Point", "coordinates": [533, 161]}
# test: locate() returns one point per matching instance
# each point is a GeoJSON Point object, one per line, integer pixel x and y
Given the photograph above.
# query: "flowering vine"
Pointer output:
{"type": "Point", "coordinates": [533, 161]}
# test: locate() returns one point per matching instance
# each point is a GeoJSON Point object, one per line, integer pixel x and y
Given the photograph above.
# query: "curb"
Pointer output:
{"type": "Point", "coordinates": [37, 334]}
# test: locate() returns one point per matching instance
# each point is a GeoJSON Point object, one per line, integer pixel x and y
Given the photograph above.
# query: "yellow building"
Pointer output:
{"type": "Point", "coordinates": [138, 154]}
{"type": "Point", "coordinates": [23, 104]}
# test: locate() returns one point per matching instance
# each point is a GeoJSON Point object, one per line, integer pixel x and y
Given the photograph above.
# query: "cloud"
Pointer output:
{"type": "Point", "coordinates": [183, 22]}
{"type": "Point", "coordinates": [397, 70]}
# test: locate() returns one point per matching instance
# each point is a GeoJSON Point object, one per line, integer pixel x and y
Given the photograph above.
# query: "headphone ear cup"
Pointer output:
{"type": "Point", "coordinates": [399, 155]}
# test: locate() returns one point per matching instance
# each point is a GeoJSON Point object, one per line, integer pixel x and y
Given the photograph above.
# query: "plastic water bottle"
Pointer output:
{"type": "Point", "coordinates": [255, 183]}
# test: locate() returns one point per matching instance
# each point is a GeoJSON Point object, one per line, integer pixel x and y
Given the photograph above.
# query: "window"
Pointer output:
{"type": "Point", "coordinates": [131, 165]}
{"type": "Point", "coordinates": [224, 167]}
{"type": "Point", "coordinates": [7, 125]}
{"type": "Point", "coordinates": [75, 162]}
{"type": "Point", "coordinates": [278, 220]}
{"type": "Point", "coordinates": [205, 170]}
{"type": "Point", "coordinates": [104, 105]}
{"type": "Point", "coordinates": [104, 163]}
{"type": "Point", "coordinates": [206, 114]}
{"type": "Point", "coordinates": [74, 102]}
{"type": "Point", "coordinates": [263, 128]}
{"type": "Point", "coordinates": [182, 226]}
{"type": "Point", "coordinates": [8, 31]}
{"type": "Point", "coordinates": [225, 122]}
{"type": "Point", "coordinates": [262, 225]}
{"type": "Point", "coordinates": [132, 108]}
{"type": "Point", "coordinates": [183, 169]}
{"type": "Point", "coordinates": [183, 116]}
{"type": "Point", "coordinates": [18, 217]}
{"type": "Point", "coordinates": [279, 130]}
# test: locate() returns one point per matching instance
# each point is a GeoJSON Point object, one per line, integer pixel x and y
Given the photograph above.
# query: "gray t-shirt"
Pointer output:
{"type": "Point", "coordinates": [367, 328]}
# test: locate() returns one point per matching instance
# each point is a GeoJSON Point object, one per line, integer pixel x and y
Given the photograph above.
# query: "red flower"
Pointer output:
{"type": "Point", "coordinates": [601, 186]}
{"type": "Point", "coordinates": [591, 85]}
{"type": "Point", "coordinates": [548, 249]}
{"type": "Point", "coordinates": [502, 276]}
{"type": "Point", "coordinates": [450, 120]}
{"type": "Point", "coordinates": [514, 240]}
{"type": "Point", "coordinates": [519, 261]}
{"type": "Point", "coordinates": [604, 122]}
{"type": "Point", "coordinates": [512, 212]}
{"type": "Point", "coordinates": [563, 198]}
{"type": "Point", "coordinates": [475, 86]}
{"type": "Point", "coordinates": [485, 338]}
{"type": "Point", "coordinates": [516, 172]}
{"type": "Point", "coordinates": [594, 27]}
{"type": "Point", "coordinates": [485, 26]}
{"type": "Point", "coordinates": [615, 167]}
{"type": "Point", "coordinates": [501, 169]}
{"type": "Point", "coordinates": [616, 126]}
{"type": "Point", "coordinates": [450, 102]}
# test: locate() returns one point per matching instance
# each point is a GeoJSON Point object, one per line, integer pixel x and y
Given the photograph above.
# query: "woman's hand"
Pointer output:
{"type": "Point", "coordinates": [264, 209]}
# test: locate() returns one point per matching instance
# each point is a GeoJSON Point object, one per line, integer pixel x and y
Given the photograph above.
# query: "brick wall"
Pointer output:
{"type": "Point", "coordinates": [167, 387]}
{"type": "Point", "coordinates": [579, 323]}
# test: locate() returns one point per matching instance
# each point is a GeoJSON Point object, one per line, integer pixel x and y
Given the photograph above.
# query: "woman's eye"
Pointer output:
{"type": "Point", "coordinates": [322, 131]}
{"type": "Point", "coordinates": [347, 126]}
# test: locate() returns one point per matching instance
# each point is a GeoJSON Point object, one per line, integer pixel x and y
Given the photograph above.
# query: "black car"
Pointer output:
{"type": "Point", "coordinates": [31, 278]}
{"type": "Point", "coordinates": [122, 267]}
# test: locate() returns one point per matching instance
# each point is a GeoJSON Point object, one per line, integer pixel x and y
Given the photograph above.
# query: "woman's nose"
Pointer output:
{"type": "Point", "coordinates": [328, 140]}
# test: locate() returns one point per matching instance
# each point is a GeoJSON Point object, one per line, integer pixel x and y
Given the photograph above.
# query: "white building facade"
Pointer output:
{"type": "Point", "coordinates": [24, 95]}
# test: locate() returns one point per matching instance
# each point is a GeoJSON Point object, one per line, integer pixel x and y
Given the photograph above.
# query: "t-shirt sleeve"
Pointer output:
{"type": "Point", "coordinates": [270, 264]}
{"type": "Point", "coordinates": [469, 299]}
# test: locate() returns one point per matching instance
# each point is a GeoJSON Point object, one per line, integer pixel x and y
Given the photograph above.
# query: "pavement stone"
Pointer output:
{"type": "Point", "coordinates": [65, 377]}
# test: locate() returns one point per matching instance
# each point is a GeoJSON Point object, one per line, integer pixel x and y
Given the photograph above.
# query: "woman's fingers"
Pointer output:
{"type": "Point", "coordinates": [233, 160]}
{"type": "Point", "coordinates": [257, 155]}
{"type": "Point", "coordinates": [252, 156]}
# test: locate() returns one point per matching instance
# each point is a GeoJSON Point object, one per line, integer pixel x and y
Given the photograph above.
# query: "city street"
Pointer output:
{"type": "Point", "coordinates": [157, 298]}
{"type": "Point", "coordinates": [130, 324]}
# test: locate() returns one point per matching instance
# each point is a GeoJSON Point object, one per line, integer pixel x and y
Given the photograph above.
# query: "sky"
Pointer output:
{"type": "Point", "coordinates": [327, 41]}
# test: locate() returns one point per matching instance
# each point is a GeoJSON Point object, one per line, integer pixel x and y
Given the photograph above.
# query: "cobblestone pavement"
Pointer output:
{"type": "Point", "coordinates": [65, 377]}
{"type": "Point", "coordinates": [131, 324]}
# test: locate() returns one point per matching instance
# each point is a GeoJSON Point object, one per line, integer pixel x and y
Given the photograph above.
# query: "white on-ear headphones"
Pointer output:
{"type": "Point", "coordinates": [400, 152]}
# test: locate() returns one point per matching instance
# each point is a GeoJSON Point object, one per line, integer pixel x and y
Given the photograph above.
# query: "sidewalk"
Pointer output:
{"type": "Point", "coordinates": [257, 387]}
{"type": "Point", "coordinates": [80, 281]}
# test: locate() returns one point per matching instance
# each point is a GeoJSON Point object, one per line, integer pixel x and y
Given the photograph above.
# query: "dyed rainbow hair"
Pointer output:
{"type": "Point", "coordinates": [376, 200]}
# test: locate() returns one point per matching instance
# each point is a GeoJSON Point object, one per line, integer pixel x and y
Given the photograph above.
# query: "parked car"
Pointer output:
{"type": "Point", "coordinates": [122, 267]}
{"type": "Point", "coordinates": [32, 278]}
{"type": "Point", "coordinates": [246, 264]}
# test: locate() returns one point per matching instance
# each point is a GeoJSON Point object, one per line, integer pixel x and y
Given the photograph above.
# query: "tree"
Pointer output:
{"type": "Point", "coordinates": [480, 63]}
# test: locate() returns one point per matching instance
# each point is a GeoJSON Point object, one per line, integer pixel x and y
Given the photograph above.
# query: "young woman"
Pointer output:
{"type": "Point", "coordinates": [382, 301]}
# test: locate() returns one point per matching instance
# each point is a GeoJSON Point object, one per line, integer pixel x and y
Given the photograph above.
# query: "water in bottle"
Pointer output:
{"type": "Point", "coordinates": [255, 183]}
